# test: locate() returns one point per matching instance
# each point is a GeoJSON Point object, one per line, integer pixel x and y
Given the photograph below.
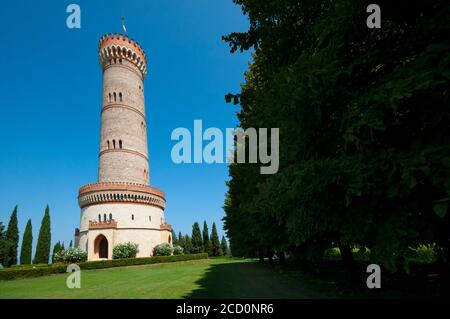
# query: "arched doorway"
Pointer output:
{"type": "Point", "coordinates": [101, 247]}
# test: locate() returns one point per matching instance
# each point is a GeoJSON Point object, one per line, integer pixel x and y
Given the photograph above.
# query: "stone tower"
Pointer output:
{"type": "Point", "coordinates": [121, 206]}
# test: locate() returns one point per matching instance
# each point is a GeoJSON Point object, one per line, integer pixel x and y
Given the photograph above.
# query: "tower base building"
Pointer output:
{"type": "Point", "coordinates": [122, 206]}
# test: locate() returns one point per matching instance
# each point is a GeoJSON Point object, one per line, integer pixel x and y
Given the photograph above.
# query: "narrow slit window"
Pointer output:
{"type": "Point", "coordinates": [120, 143]}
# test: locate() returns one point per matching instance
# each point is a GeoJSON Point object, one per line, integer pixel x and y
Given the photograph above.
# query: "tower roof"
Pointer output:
{"type": "Point", "coordinates": [115, 45]}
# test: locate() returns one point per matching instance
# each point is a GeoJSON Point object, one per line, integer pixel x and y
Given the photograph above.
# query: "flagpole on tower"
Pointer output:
{"type": "Point", "coordinates": [124, 29]}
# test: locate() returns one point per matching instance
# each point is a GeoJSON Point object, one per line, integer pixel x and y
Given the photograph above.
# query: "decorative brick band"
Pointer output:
{"type": "Point", "coordinates": [123, 150]}
{"type": "Point", "coordinates": [124, 193]}
{"type": "Point", "coordinates": [123, 106]}
{"type": "Point", "coordinates": [93, 224]}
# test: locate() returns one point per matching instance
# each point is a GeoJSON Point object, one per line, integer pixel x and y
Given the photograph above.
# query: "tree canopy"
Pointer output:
{"type": "Point", "coordinates": [364, 128]}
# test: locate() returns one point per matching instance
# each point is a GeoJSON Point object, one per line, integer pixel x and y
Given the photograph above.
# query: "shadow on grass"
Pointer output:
{"type": "Point", "coordinates": [243, 279]}
{"type": "Point", "coordinates": [250, 279]}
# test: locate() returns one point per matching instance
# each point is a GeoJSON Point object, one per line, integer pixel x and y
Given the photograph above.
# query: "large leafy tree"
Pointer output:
{"type": "Point", "coordinates": [363, 117]}
{"type": "Point", "coordinates": [44, 240]}
{"type": "Point", "coordinates": [12, 235]}
{"type": "Point", "coordinates": [27, 244]}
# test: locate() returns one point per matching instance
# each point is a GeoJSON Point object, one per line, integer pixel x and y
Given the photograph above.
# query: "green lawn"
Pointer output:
{"type": "Point", "coordinates": [212, 278]}
{"type": "Point", "coordinates": [208, 278]}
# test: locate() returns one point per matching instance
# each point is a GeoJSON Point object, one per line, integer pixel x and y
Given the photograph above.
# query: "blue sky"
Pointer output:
{"type": "Point", "coordinates": [51, 94]}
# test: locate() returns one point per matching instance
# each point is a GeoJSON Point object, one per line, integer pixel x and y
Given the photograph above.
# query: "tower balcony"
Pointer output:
{"type": "Point", "coordinates": [167, 227]}
{"type": "Point", "coordinates": [107, 224]}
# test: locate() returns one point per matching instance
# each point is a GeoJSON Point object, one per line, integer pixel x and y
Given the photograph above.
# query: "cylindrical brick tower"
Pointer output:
{"type": "Point", "coordinates": [123, 140]}
{"type": "Point", "coordinates": [122, 207]}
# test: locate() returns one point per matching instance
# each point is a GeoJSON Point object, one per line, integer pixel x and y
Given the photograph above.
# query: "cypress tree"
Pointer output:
{"type": "Point", "coordinates": [216, 248]}
{"type": "Point", "coordinates": [12, 235]}
{"type": "Point", "coordinates": [224, 245]}
{"type": "Point", "coordinates": [56, 248]}
{"type": "Point", "coordinates": [206, 240]}
{"type": "Point", "coordinates": [174, 237]}
{"type": "Point", "coordinates": [44, 239]}
{"type": "Point", "coordinates": [71, 244]}
{"type": "Point", "coordinates": [4, 246]}
{"type": "Point", "coordinates": [182, 242]}
{"type": "Point", "coordinates": [197, 242]}
{"type": "Point", "coordinates": [27, 244]}
{"type": "Point", "coordinates": [187, 245]}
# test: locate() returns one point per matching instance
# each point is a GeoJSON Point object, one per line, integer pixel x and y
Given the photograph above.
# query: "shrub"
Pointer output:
{"type": "Point", "coordinates": [12, 273]}
{"type": "Point", "coordinates": [178, 250]}
{"type": "Point", "coordinates": [163, 249]}
{"type": "Point", "coordinates": [423, 254]}
{"type": "Point", "coordinates": [125, 250]}
{"type": "Point", "coordinates": [70, 255]}
{"type": "Point", "coordinates": [32, 266]}
{"type": "Point", "coordinates": [73, 255]}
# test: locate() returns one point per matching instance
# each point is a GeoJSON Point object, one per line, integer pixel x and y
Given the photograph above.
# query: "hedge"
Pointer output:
{"type": "Point", "coordinates": [14, 273]}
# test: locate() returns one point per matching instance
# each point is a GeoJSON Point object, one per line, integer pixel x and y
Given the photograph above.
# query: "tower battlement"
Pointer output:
{"type": "Point", "coordinates": [118, 46]}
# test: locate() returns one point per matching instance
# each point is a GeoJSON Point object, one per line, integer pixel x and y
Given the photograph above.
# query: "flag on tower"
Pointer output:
{"type": "Point", "coordinates": [123, 26]}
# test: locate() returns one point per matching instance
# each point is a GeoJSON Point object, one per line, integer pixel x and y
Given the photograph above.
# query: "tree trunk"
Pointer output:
{"type": "Point", "coordinates": [282, 257]}
{"type": "Point", "coordinates": [445, 260]}
{"type": "Point", "coordinates": [261, 257]}
{"type": "Point", "coordinates": [350, 264]}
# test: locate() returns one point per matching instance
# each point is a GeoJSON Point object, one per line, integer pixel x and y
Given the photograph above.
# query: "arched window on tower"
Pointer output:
{"type": "Point", "coordinates": [120, 96]}
{"type": "Point", "coordinates": [114, 143]}
{"type": "Point", "coordinates": [110, 216]}
{"type": "Point", "coordinates": [109, 98]}
{"type": "Point", "coordinates": [107, 144]}
{"type": "Point", "coordinates": [99, 217]}
{"type": "Point", "coordinates": [120, 143]}
{"type": "Point", "coordinates": [115, 98]}
{"type": "Point", "coordinates": [104, 217]}
{"type": "Point", "coordinates": [132, 216]}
